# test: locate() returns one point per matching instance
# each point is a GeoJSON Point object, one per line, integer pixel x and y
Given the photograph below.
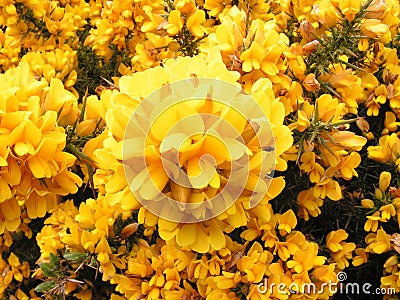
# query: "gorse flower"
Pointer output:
{"type": "Point", "coordinates": [36, 168]}
{"type": "Point", "coordinates": [205, 181]}
{"type": "Point", "coordinates": [341, 251]}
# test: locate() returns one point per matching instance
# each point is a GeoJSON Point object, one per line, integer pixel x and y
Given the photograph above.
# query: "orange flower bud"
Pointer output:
{"type": "Point", "coordinates": [310, 83]}
{"type": "Point", "coordinates": [129, 229]}
{"type": "Point", "coordinates": [307, 31]}
{"type": "Point", "coordinates": [310, 47]}
{"type": "Point", "coordinates": [375, 29]}
{"type": "Point", "coordinates": [377, 9]}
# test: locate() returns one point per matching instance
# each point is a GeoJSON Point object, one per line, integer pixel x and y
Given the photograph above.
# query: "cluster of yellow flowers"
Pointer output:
{"type": "Point", "coordinates": [123, 123]}
{"type": "Point", "coordinates": [35, 169]}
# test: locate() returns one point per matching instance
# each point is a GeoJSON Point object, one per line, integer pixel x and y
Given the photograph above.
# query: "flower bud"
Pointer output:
{"type": "Point", "coordinates": [367, 203]}
{"type": "Point", "coordinates": [174, 46]}
{"type": "Point", "coordinates": [129, 230]}
{"type": "Point", "coordinates": [307, 31]}
{"type": "Point", "coordinates": [370, 136]}
{"type": "Point", "coordinates": [310, 83]}
{"type": "Point", "coordinates": [375, 29]}
{"type": "Point", "coordinates": [377, 9]}
{"type": "Point", "coordinates": [310, 47]}
{"type": "Point", "coordinates": [378, 194]}
{"type": "Point", "coordinates": [85, 127]}
{"type": "Point", "coordinates": [384, 181]}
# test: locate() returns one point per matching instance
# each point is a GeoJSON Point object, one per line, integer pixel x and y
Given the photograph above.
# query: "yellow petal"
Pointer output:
{"type": "Point", "coordinates": [202, 243]}
{"type": "Point", "coordinates": [187, 235]}
{"type": "Point", "coordinates": [217, 237]}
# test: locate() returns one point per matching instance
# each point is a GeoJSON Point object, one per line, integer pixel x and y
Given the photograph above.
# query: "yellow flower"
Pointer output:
{"type": "Point", "coordinates": [227, 280]}
{"type": "Point", "coordinates": [175, 22]}
{"type": "Point", "coordinates": [269, 237]}
{"type": "Point", "coordinates": [391, 281]}
{"type": "Point", "coordinates": [391, 263]}
{"type": "Point", "coordinates": [387, 211]}
{"type": "Point", "coordinates": [91, 118]}
{"type": "Point", "coordinates": [375, 29]}
{"type": "Point", "coordinates": [378, 242]}
{"type": "Point", "coordinates": [228, 35]}
{"type": "Point", "coordinates": [185, 6]}
{"type": "Point", "coordinates": [334, 239]}
{"type": "Point", "coordinates": [373, 106]}
{"type": "Point", "coordinates": [300, 280]}
{"type": "Point", "coordinates": [294, 242]}
{"type": "Point", "coordinates": [370, 82]}
{"type": "Point", "coordinates": [18, 271]}
{"type": "Point", "coordinates": [309, 203]}
{"type": "Point", "coordinates": [254, 293]}
{"type": "Point", "coordinates": [341, 251]}
{"type": "Point", "coordinates": [48, 241]}
{"type": "Point", "coordinates": [287, 222]}
{"type": "Point", "coordinates": [326, 13]}
{"type": "Point", "coordinates": [314, 169]}
{"type": "Point", "coordinates": [206, 178]}
{"type": "Point", "coordinates": [350, 8]}
{"type": "Point", "coordinates": [103, 256]}
{"type": "Point", "coordinates": [343, 256]}
{"type": "Point", "coordinates": [143, 58]}
{"type": "Point", "coordinates": [278, 275]}
{"type": "Point", "coordinates": [349, 140]}
{"type": "Point", "coordinates": [372, 222]}
{"type": "Point", "coordinates": [215, 7]}
{"type": "Point", "coordinates": [347, 165]}
{"type": "Point", "coordinates": [296, 62]}
{"type": "Point", "coordinates": [255, 263]}
{"type": "Point", "coordinates": [252, 57]}
{"type": "Point", "coordinates": [194, 236]}
{"type": "Point", "coordinates": [303, 116]}
{"type": "Point", "coordinates": [60, 63]}
{"type": "Point", "coordinates": [306, 259]}
{"type": "Point", "coordinates": [153, 19]}
{"type": "Point", "coordinates": [377, 9]}
{"type": "Point", "coordinates": [390, 121]}
{"type": "Point", "coordinates": [310, 83]}
{"type": "Point", "coordinates": [326, 273]}
{"type": "Point", "coordinates": [391, 269]}
{"type": "Point", "coordinates": [328, 188]}
{"type": "Point", "coordinates": [194, 22]}
{"type": "Point", "coordinates": [383, 151]}
{"type": "Point", "coordinates": [360, 258]}
{"type": "Point", "coordinates": [86, 127]}
{"type": "Point", "coordinates": [63, 102]}
{"type": "Point", "coordinates": [346, 84]}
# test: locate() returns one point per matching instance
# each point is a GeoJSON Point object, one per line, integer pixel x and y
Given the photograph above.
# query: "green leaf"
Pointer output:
{"type": "Point", "coordinates": [54, 260]}
{"type": "Point", "coordinates": [48, 269]}
{"type": "Point", "coordinates": [45, 286]}
{"type": "Point", "coordinates": [75, 257]}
